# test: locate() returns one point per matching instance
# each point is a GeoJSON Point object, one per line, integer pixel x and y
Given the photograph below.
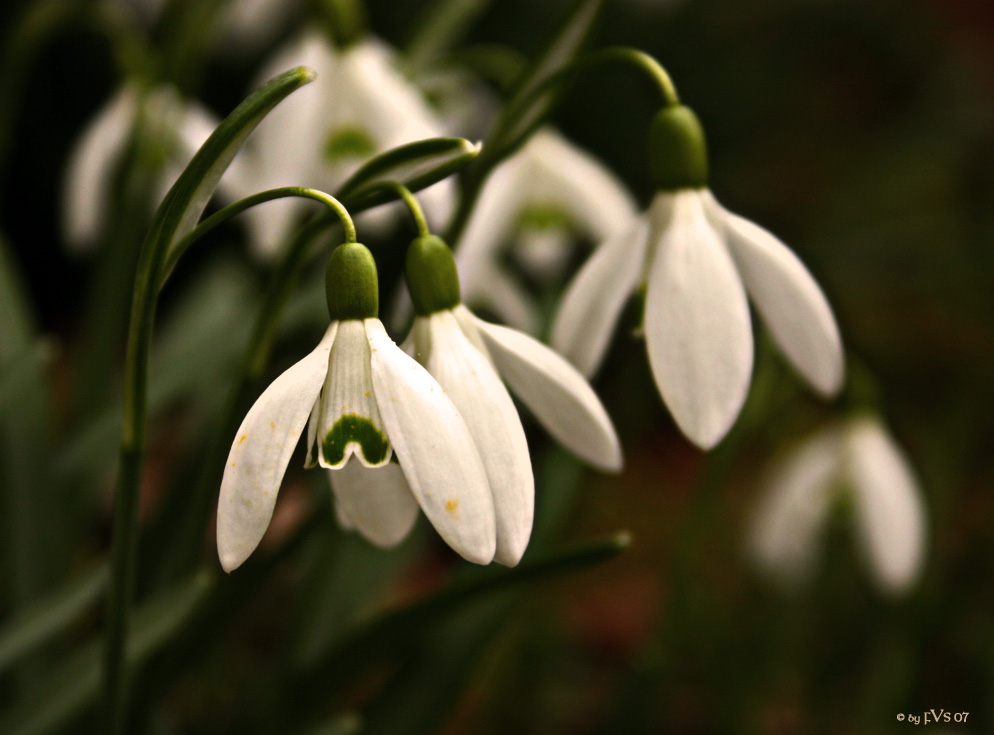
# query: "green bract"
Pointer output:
{"type": "Point", "coordinates": [431, 276]}
{"type": "Point", "coordinates": [352, 284]}
{"type": "Point", "coordinates": [678, 153]}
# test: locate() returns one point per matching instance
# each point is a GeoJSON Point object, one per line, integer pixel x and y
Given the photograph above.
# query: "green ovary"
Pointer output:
{"type": "Point", "coordinates": [345, 143]}
{"type": "Point", "coordinates": [352, 428]}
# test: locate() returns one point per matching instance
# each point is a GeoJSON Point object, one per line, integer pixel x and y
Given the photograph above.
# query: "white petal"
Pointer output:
{"type": "Point", "coordinates": [556, 393]}
{"type": "Point", "coordinates": [784, 534]}
{"type": "Point", "coordinates": [259, 455]}
{"type": "Point", "coordinates": [435, 449]}
{"type": "Point", "coordinates": [376, 502]}
{"type": "Point", "coordinates": [91, 166]}
{"type": "Point", "coordinates": [889, 505]}
{"type": "Point", "coordinates": [596, 201]}
{"type": "Point", "coordinates": [697, 324]}
{"type": "Point", "coordinates": [594, 300]}
{"type": "Point", "coordinates": [471, 382]}
{"type": "Point", "coordinates": [790, 301]}
{"type": "Point", "coordinates": [349, 422]}
{"type": "Point", "coordinates": [506, 299]}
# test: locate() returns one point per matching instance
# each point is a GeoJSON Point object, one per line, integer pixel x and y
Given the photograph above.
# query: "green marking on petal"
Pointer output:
{"type": "Point", "coordinates": [352, 428]}
{"type": "Point", "coordinates": [345, 143]}
{"type": "Point", "coordinates": [544, 217]}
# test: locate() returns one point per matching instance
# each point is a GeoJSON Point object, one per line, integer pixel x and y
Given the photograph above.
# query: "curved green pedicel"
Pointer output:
{"type": "Point", "coordinates": [678, 154]}
{"type": "Point", "coordinates": [352, 428]}
{"type": "Point", "coordinates": [345, 143]}
{"type": "Point", "coordinates": [431, 276]}
{"type": "Point", "coordinates": [351, 283]}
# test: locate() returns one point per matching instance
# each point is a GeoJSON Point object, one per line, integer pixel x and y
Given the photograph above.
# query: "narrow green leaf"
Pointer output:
{"type": "Point", "coordinates": [441, 27]}
{"type": "Point", "coordinates": [74, 685]}
{"type": "Point", "coordinates": [49, 616]}
{"type": "Point", "coordinates": [395, 627]}
{"type": "Point", "coordinates": [528, 107]}
{"type": "Point", "coordinates": [415, 165]}
{"type": "Point", "coordinates": [17, 323]}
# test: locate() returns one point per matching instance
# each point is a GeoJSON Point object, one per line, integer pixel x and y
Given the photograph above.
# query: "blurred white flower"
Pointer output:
{"type": "Point", "coordinates": [539, 202]}
{"type": "Point", "coordinates": [857, 461]}
{"type": "Point", "coordinates": [179, 126]}
{"type": "Point", "coordinates": [696, 262]}
{"type": "Point", "coordinates": [360, 105]}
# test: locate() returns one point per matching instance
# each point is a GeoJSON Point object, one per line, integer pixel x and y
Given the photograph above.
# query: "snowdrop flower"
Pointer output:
{"type": "Point", "coordinates": [696, 262]}
{"type": "Point", "coordinates": [856, 461]}
{"type": "Point", "coordinates": [367, 401]}
{"type": "Point", "coordinates": [359, 106]}
{"type": "Point", "coordinates": [542, 198]}
{"type": "Point", "coordinates": [181, 126]}
{"type": "Point", "coordinates": [471, 359]}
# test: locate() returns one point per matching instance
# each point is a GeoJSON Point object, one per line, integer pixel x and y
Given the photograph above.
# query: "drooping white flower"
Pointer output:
{"type": "Point", "coordinates": [179, 126]}
{"type": "Point", "coordinates": [696, 262]}
{"type": "Point", "coordinates": [472, 359]}
{"type": "Point", "coordinates": [542, 199]}
{"type": "Point", "coordinates": [364, 402]}
{"type": "Point", "coordinates": [360, 105]}
{"type": "Point", "coordinates": [856, 461]}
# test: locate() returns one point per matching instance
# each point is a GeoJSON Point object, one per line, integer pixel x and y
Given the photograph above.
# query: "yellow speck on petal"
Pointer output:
{"type": "Point", "coordinates": [272, 425]}
{"type": "Point", "coordinates": [232, 464]}
{"type": "Point", "coordinates": [367, 394]}
{"type": "Point", "coordinates": [451, 505]}
{"type": "Point", "coordinates": [243, 438]}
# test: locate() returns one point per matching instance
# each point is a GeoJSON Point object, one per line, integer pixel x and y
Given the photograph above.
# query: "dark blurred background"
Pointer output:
{"type": "Point", "coordinates": [862, 133]}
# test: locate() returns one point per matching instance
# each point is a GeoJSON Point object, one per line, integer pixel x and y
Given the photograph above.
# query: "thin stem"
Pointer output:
{"type": "Point", "coordinates": [223, 215]}
{"type": "Point", "coordinates": [413, 206]}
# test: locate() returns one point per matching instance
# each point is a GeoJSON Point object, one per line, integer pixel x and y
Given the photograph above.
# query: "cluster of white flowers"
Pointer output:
{"type": "Point", "coordinates": [437, 428]}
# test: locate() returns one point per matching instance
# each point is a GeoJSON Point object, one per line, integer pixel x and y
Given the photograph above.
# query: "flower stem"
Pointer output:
{"type": "Point", "coordinates": [417, 213]}
{"type": "Point", "coordinates": [223, 215]}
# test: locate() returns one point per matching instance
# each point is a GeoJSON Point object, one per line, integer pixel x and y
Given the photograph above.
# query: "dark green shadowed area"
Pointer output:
{"type": "Point", "coordinates": [354, 428]}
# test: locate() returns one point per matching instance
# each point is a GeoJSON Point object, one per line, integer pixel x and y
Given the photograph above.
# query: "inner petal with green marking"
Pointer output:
{"type": "Point", "coordinates": [349, 421]}
{"type": "Point", "coordinates": [348, 142]}
{"type": "Point", "coordinates": [358, 433]}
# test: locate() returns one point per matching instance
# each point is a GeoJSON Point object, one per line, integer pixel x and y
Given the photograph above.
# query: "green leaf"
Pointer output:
{"type": "Point", "coordinates": [73, 686]}
{"type": "Point", "coordinates": [16, 376]}
{"type": "Point", "coordinates": [415, 165]}
{"type": "Point", "coordinates": [442, 26]}
{"type": "Point", "coordinates": [49, 616]}
{"type": "Point", "coordinates": [532, 101]}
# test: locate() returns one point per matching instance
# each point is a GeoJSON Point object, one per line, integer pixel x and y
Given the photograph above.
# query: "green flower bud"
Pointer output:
{"type": "Point", "coordinates": [678, 152]}
{"type": "Point", "coordinates": [431, 276]}
{"type": "Point", "coordinates": [352, 284]}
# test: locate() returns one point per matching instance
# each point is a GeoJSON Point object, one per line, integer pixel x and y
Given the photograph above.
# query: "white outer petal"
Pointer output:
{"type": "Point", "coordinates": [435, 449]}
{"type": "Point", "coordinates": [889, 506]}
{"type": "Point", "coordinates": [260, 452]}
{"type": "Point", "coordinates": [554, 391]}
{"type": "Point", "coordinates": [792, 305]}
{"type": "Point", "coordinates": [375, 502]}
{"type": "Point", "coordinates": [697, 325]}
{"type": "Point", "coordinates": [783, 538]}
{"type": "Point", "coordinates": [90, 169]}
{"type": "Point", "coordinates": [471, 381]}
{"type": "Point", "coordinates": [594, 301]}
{"type": "Point", "coordinates": [563, 173]}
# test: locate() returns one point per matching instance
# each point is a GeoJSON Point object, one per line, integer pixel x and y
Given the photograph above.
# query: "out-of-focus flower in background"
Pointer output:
{"type": "Point", "coordinates": [854, 464]}
{"type": "Point", "coordinates": [539, 202]}
{"type": "Point", "coordinates": [171, 130]}
{"type": "Point", "coordinates": [360, 105]}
